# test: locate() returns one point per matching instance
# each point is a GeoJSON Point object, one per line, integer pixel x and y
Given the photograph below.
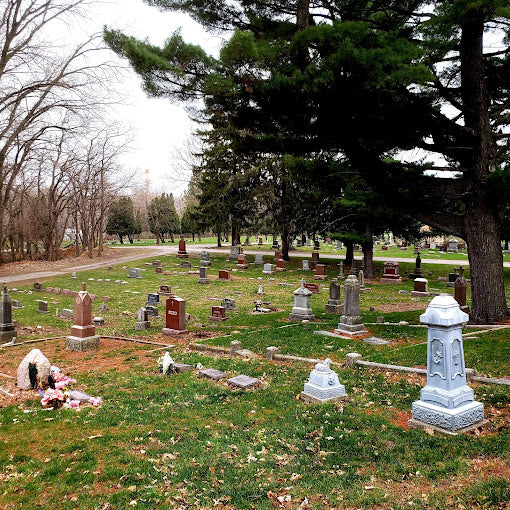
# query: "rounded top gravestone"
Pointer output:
{"type": "Point", "coordinates": [444, 311]}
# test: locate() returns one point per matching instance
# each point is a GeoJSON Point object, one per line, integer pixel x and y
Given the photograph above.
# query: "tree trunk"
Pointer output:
{"type": "Point", "coordinates": [483, 237]}
{"type": "Point", "coordinates": [285, 242]}
{"type": "Point", "coordinates": [506, 244]}
{"type": "Point", "coordinates": [218, 236]}
{"type": "Point", "coordinates": [121, 239]}
{"type": "Point", "coordinates": [368, 252]}
{"type": "Point", "coordinates": [349, 253]}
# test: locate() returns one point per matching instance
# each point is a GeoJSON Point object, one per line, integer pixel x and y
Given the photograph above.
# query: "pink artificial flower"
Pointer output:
{"type": "Point", "coordinates": [74, 404]}
{"type": "Point", "coordinates": [96, 401]}
{"type": "Point", "coordinates": [51, 395]}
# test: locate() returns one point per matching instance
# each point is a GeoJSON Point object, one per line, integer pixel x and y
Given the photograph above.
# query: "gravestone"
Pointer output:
{"type": "Point", "coordinates": [234, 252]}
{"type": "Point", "coordinates": [313, 288]}
{"type": "Point", "coordinates": [453, 246]}
{"type": "Point", "coordinates": [212, 373]}
{"type": "Point", "coordinates": [152, 311]}
{"type": "Point", "coordinates": [143, 319]}
{"type": "Point", "coordinates": [420, 287]}
{"type": "Point", "coordinates": [205, 261]}
{"type": "Point", "coordinates": [259, 259]}
{"type": "Point", "coordinates": [98, 321]}
{"type": "Point", "coordinates": [446, 402]}
{"type": "Point", "coordinates": [38, 287]}
{"type": "Point", "coordinates": [315, 259]}
{"type": "Point", "coordinates": [7, 328]}
{"type": "Point", "coordinates": [350, 323]}
{"type": "Point", "coordinates": [320, 272]}
{"type": "Point", "coordinates": [175, 316]}
{"type": "Point", "coordinates": [268, 269]}
{"type": "Point", "coordinates": [134, 272]}
{"type": "Point", "coordinates": [261, 241]}
{"type": "Point", "coordinates": [73, 275]}
{"type": "Point", "coordinates": [224, 275]}
{"type": "Point", "coordinates": [306, 265]}
{"type": "Point", "coordinates": [323, 385]}
{"type": "Point", "coordinates": [186, 264]}
{"type": "Point", "coordinates": [260, 291]}
{"type": "Point", "coordinates": [202, 278]}
{"type": "Point", "coordinates": [452, 277]}
{"type": "Point", "coordinates": [299, 243]}
{"type": "Point", "coordinates": [158, 270]}
{"type": "Point", "coordinates": [280, 265]}
{"type": "Point", "coordinates": [341, 270]}
{"type": "Point", "coordinates": [390, 274]}
{"type": "Point", "coordinates": [165, 290]}
{"type": "Point", "coordinates": [218, 314]}
{"type": "Point", "coordinates": [243, 381]}
{"type": "Point", "coordinates": [42, 365]}
{"type": "Point", "coordinates": [43, 306]}
{"type": "Point", "coordinates": [339, 245]}
{"type": "Point", "coordinates": [16, 305]}
{"type": "Point", "coordinates": [334, 304]}
{"type": "Point", "coordinates": [67, 313]}
{"type": "Point", "coordinates": [229, 304]}
{"type": "Point", "coordinates": [182, 253]}
{"type": "Point", "coordinates": [83, 333]}
{"type": "Point", "coordinates": [302, 304]}
{"type": "Point", "coordinates": [316, 245]}
{"type": "Point", "coordinates": [460, 294]}
{"type": "Point", "coordinates": [153, 298]}
{"type": "Point", "coordinates": [275, 244]}
{"type": "Point", "coordinates": [103, 308]}
{"type": "Point", "coordinates": [417, 272]}
{"type": "Point", "coordinates": [156, 263]}
{"type": "Point", "coordinates": [241, 261]}
{"type": "Point", "coordinates": [384, 248]}
{"type": "Point", "coordinates": [361, 275]}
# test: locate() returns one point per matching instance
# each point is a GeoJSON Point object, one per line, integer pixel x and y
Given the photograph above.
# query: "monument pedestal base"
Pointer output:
{"type": "Point", "coordinates": [305, 316]}
{"type": "Point", "coordinates": [336, 309]}
{"type": "Point", "coordinates": [168, 331]}
{"type": "Point", "coordinates": [417, 424]}
{"type": "Point", "coordinates": [142, 325]}
{"type": "Point", "coordinates": [391, 280]}
{"type": "Point", "coordinates": [419, 293]}
{"type": "Point", "coordinates": [77, 344]}
{"type": "Point", "coordinates": [310, 399]}
{"type": "Point", "coordinates": [452, 420]}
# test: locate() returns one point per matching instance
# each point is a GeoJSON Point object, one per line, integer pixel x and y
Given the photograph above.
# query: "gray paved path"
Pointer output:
{"type": "Point", "coordinates": [155, 251]}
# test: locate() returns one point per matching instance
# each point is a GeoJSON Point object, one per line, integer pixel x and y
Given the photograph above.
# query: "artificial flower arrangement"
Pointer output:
{"type": "Point", "coordinates": [58, 394]}
{"type": "Point", "coordinates": [166, 364]}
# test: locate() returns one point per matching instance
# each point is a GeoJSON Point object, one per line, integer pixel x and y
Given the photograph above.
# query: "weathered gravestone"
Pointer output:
{"type": "Point", "coordinates": [452, 277]}
{"type": "Point", "coordinates": [83, 333]}
{"type": "Point", "coordinates": [165, 290]}
{"type": "Point", "coordinates": [7, 328]}
{"type": "Point", "coordinates": [446, 402]}
{"type": "Point", "coordinates": [334, 305]}
{"type": "Point", "coordinates": [175, 316]}
{"type": "Point", "coordinates": [361, 276]}
{"type": "Point", "coordinates": [16, 305]}
{"type": "Point", "coordinates": [39, 376]}
{"type": "Point", "coordinates": [67, 313]}
{"type": "Point", "coordinates": [202, 278]}
{"type": "Point", "coordinates": [320, 272]}
{"type": "Point", "coordinates": [229, 304]}
{"type": "Point", "coordinates": [134, 272]}
{"type": "Point", "coordinates": [390, 274]}
{"type": "Point", "coordinates": [212, 373]}
{"type": "Point", "coordinates": [315, 259]}
{"type": "Point", "coordinates": [323, 385]}
{"type": "Point", "coordinates": [302, 309]}
{"type": "Point", "coordinates": [420, 287]}
{"type": "Point", "coordinates": [205, 261]}
{"type": "Point", "coordinates": [268, 269]}
{"type": "Point", "coordinates": [218, 314]}
{"type": "Point", "coordinates": [73, 275]}
{"type": "Point", "coordinates": [143, 319]}
{"type": "Point", "coordinates": [158, 270]}
{"type": "Point", "coordinates": [460, 294]}
{"type": "Point", "coordinates": [156, 263]}
{"type": "Point", "coordinates": [234, 252]}
{"type": "Point", "coordinates": [38, 287]}
{"type": "Point", "coordinates": [259, 259]}
{"type": "Point", "coordinates": [341, 270]}
{"type": "Point", "coordinates": [153, 299]}
{"type": "Point", "coordinates": [43, 306]}
{"type": "Point", "coordinates": [186, 264]}
{"type": "Point", "coordinates": [350, 323]}
{"type": "Point", "coordinates": [243, 381]}
{"type": "Point", "coordinates": [241, 261]}
{"type": "Point", "coordinates": [316, 245]}
{"type": "Point", "coordinates": [305, 265]}
{"type": "Point", "coordinates": [453, 246]}
{"type": "Point", "coordinates": [182, 253]}
{"type": "Point", "coordinates": [152, 311]}
{"type": "Point", "coordinates": [98, 321]}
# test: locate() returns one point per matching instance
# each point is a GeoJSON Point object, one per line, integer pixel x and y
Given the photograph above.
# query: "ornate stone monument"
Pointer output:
{"type": "Point", "coordinates": [323, 385]}
{"type": "Point", "coordinates": [83, 333]}
{"type": "Point", "coordinates": [175, 316]}
{"type": "Point", "coordinates": [7, 328]}
{"type": "Point", "coordinates": [390, 274]}
{"type": "Point", "coordinates": [204, 259]}
{"type": "Point", "coordinates": [334, 304]}
{"type": "Point", "coordinates": [453, 246]}
{"type": "Point", "coordinates": [143, 319]}
{"type": "Point", "coordinates": [417, 272]}
{"type": "Point", "coordinates": [182, 253]}
{"type": "Point", "coordinates": [447, 402]}
{"type": "Point", "coordinates": [361, 276]}
{"type": "Point", "coordinates": [302, 308]}
{"type": "Point", "coordinates": [306, 265]}
{"type": "Point", "coordinates": [350, 323]}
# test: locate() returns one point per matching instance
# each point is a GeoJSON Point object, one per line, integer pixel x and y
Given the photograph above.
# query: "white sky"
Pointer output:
{"type": "Point", "coordinates": [158, 126]}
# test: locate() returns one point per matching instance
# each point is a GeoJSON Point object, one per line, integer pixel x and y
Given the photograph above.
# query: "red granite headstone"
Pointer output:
{"type": "Point", "coordinates": [280, 265]}
{"type": "Point", "coordinates": [83, 326]}
{"type": "Point", "coordinates": [261, 241]}
{"type": "Point", "coordinates": [384, 248]}
{"type": "Point", "coordinates": [158, 270]}
{"type": "Point", "coordinates": [241, 261]}
{"type": "Point", "coordinates": [390, 274]}
{"type": "Point", "coordinates": [182, 249]}
{"type": "Point", "coordinates": [320, 272]}
{"type": "Point", "coordinates": [313, 288]}
{"type": "Point", "coordinates": [224, 274]}
{"type": "Point", "coordinates": [175, 316]}
{"type": "Point", "coordinates": [218, 314]}
{"type": "Point", "coordinates": [165, 290]}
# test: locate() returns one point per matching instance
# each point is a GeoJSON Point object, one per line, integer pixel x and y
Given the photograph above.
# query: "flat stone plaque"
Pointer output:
{"type": "Point", "coordinates": [212, 373]}
{"type": "Point", "coordinates": [182, 367]}
{"type": "Point", "coordinates": [243, 381]}
{"type": "Point", "coordinates": [375, 341]}
{"type": "Point", "coordinates": [79, 395]}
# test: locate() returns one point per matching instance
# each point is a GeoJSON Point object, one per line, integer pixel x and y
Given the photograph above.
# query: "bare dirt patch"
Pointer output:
{"type": "Point", "coordinates": [402, 307]}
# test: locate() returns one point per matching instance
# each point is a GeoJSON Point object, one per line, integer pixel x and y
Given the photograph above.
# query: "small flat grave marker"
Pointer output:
{"type": "Point", "coordinates": [243, 381]}
{"type": "Point", "coordinates": [313, 288]}
{"type": "Point", "coordinates": [212, 373]}
{"type": "Point", "coordinates": [180, 368]}
{"type": "Point", "coordinates": [375, 341]}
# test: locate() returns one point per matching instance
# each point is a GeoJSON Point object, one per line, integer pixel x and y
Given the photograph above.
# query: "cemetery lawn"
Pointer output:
{"type": "Point", "coordinates": [180, 441]}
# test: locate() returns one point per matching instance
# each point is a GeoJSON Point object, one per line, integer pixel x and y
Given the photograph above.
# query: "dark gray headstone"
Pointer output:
{"type": "Point", "coordinates": [243, 381]}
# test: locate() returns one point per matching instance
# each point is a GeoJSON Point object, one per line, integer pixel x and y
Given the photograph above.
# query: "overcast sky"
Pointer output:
{"type": "Point", "coordinates": [157, 125]}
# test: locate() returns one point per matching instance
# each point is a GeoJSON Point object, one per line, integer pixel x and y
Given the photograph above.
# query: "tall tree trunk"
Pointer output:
{"type": "Point", "coordinates": [218, 237]}
{"type": "Point", "coordinates": [488, 302]}
{"type": "Point", "coordinates": [349, 253]}
{"type": "Point", "coordinates": [368, 252]}
{"type": "Point", "coordinates": [285, 242]}
{"type": "Point", "coordinates": [236, 233]}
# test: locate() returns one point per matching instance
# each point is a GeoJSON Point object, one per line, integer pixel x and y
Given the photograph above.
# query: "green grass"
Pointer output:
{"type": "Point", "coordinates": [181, 441]}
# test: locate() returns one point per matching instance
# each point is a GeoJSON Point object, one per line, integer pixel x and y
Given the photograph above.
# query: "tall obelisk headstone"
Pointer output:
{"type": "Point", "coordinates": [83, 333]}
{"type": "Point", "coordinates": [350, 323]}
{"type": "Point", "coordinates": [7, 328]}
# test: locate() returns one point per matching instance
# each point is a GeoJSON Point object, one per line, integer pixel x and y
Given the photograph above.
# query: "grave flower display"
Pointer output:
{"type": "Point", "coordinates": [53, 398]}
{"type": "Point", "coordinates": [166, 364]}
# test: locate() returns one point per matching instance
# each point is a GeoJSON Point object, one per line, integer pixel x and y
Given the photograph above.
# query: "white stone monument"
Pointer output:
{"type": "Point", "coordinates": [447, 402]}
{"type": "Point", "coordinates": [268, 269]}
{"type": "Point", "coordinates": [323, 385]}
{"type": "Point", "coordinates": [302, 309]}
